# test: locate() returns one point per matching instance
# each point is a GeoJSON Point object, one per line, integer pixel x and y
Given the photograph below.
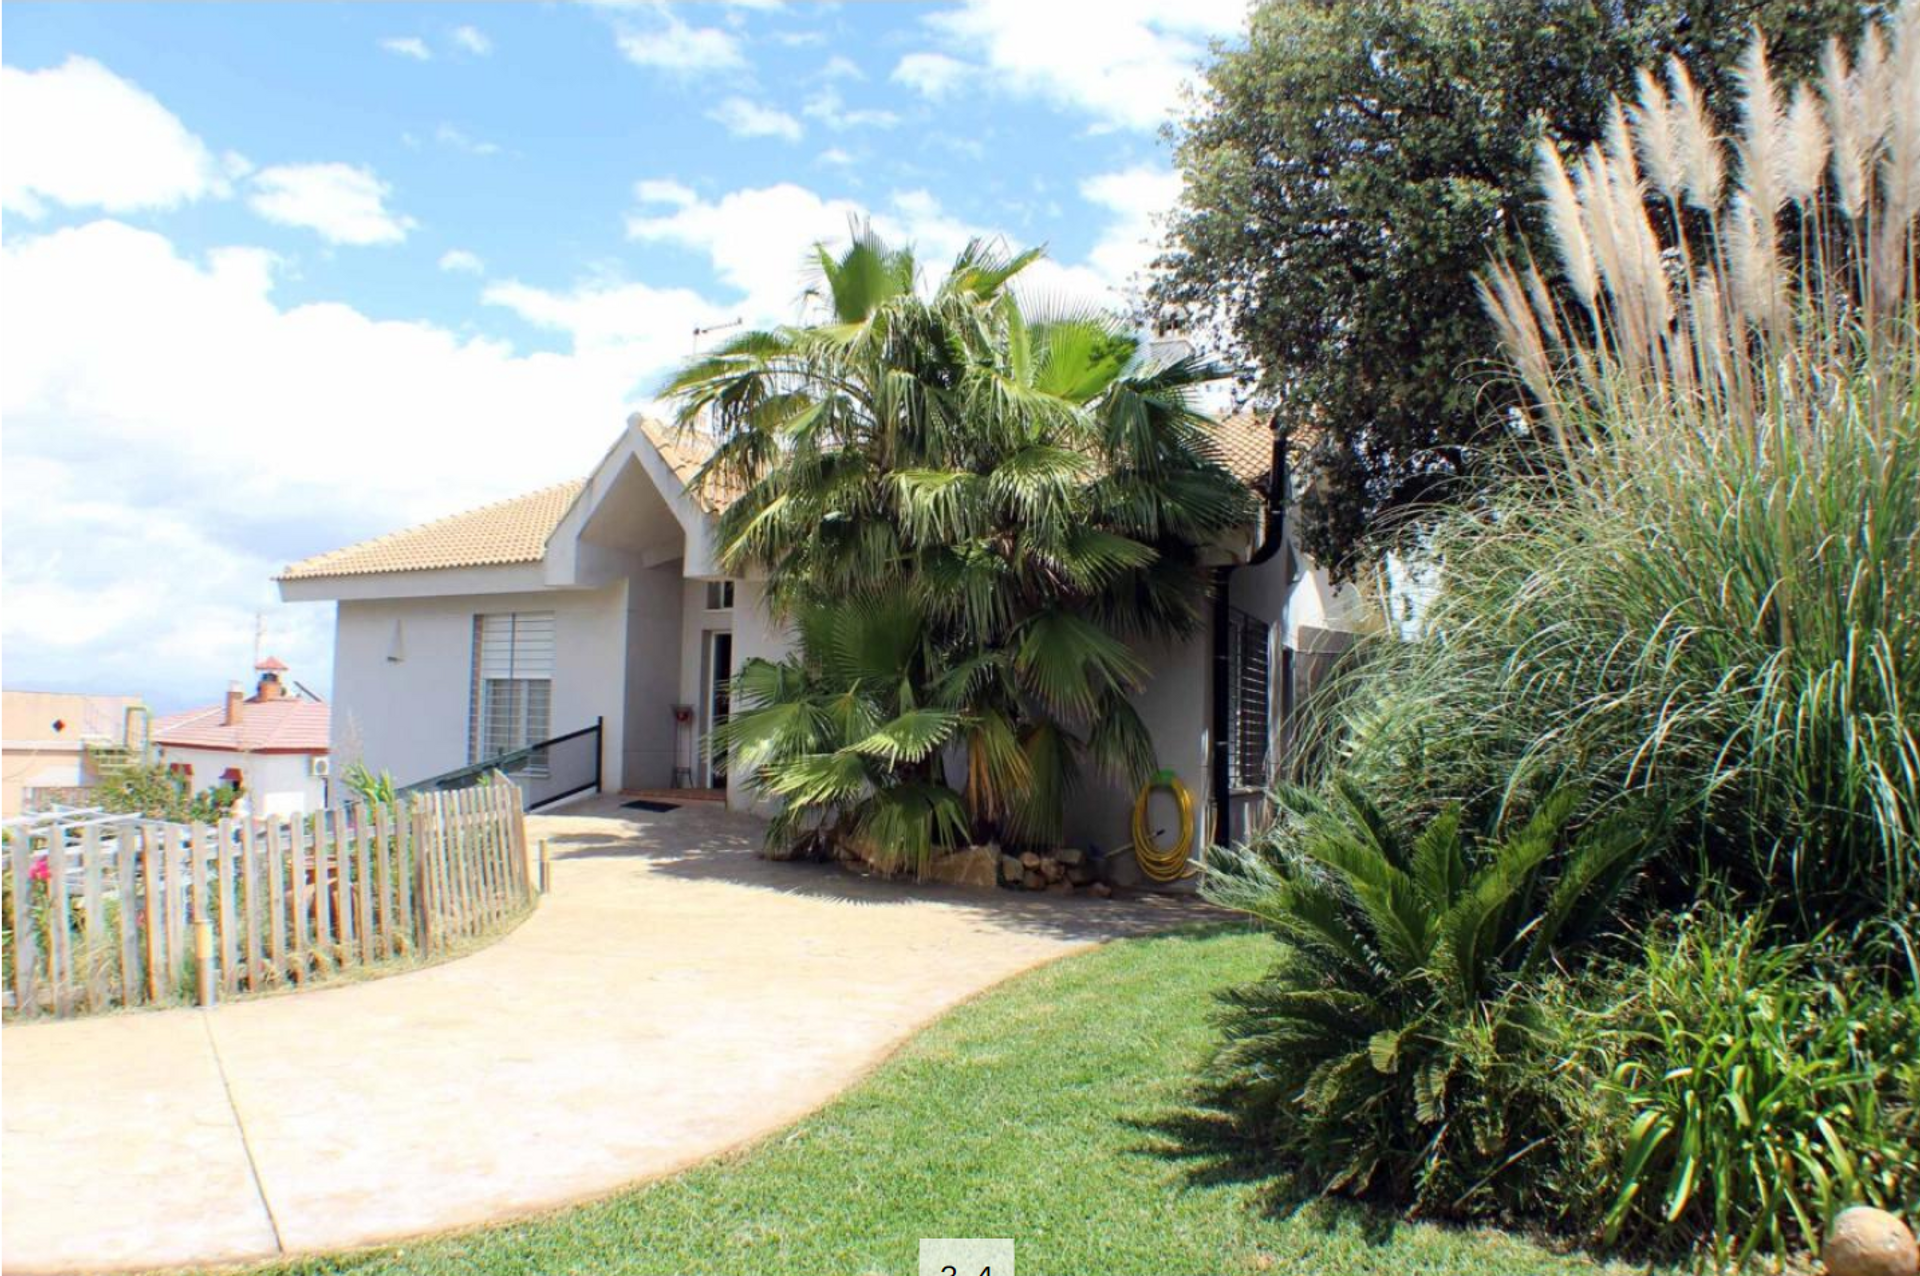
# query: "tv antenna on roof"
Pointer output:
{"type": "Point", "coordinates": [717, 327]}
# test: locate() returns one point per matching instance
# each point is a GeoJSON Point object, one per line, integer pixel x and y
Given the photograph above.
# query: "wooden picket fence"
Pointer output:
{"type": "Point", "coordinates": [102, 912]}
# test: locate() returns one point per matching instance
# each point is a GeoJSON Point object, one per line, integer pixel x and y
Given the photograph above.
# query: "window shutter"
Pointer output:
{"type": "Point", "coordinates": [516, 645]}
{"type": "Point", "coordinates": [1250, 694]}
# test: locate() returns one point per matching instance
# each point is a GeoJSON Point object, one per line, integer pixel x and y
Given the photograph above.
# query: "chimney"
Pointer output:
{"type": "Point", "coordinates": [234, 698]}
{"type": "Point", "coordinates": [270, 686]}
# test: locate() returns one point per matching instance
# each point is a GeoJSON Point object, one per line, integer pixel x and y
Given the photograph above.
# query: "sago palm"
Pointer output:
{"type": "Point", "coordinates": [1394, 947]}
{"type": "Point", "coordinates": [1037, 484]}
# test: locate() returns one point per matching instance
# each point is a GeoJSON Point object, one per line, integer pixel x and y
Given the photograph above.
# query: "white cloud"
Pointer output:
{"type": "Point", "coordinates": [830, 108]}
{"type": "Point", "coordinates": [744, 118]}
{"type": "Point", "coordinates": [835, 156]}
{"type": "Point", "coordinates": [672, 45]}
{"type": "Point", "coordinates": [759, 241]}
{"type": "Point", "coordinates": [842, 67]}
{"type": "Point", "coordinates": [79, 135]}
{"type": "Point", "coordinates": [408, 46]}
{"type": "Point", "coordinates": [1138, 196]}
{"type": "Point", "coordinates": [663, 190]}
{"type": "Point", "coordinates": [174, 435]}
{"type": "Point", "coordinates": [932, 75]}
{"type": "Point", "coordinates": [344, 204]}
{"type": "Point", "coordinates": [460, 261]}
{"type": "Point", "coordinates": [473, 40]}
{"type": "Point", "coordinates": [611, 316]}
{"type": "Point", "coordinates": [449, 136]}
{"type": "Point", "coordinates": [1126, 68]}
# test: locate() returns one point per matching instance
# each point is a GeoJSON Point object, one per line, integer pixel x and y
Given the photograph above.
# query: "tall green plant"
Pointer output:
{"type": "Point", "coordinates": [1036, 485]}
{"type": "Point", "coordinates": [1713, 595]}
{"type": "Point", "coordinates": [1352, 1057]}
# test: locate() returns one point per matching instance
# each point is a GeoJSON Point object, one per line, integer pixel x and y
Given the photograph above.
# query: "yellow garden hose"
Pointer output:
{"type": "Point", "coordinates": [1169, 863]}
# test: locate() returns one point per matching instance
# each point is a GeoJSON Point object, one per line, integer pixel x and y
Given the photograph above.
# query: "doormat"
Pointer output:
{"type": "Point", "coordinates": [644, 805]}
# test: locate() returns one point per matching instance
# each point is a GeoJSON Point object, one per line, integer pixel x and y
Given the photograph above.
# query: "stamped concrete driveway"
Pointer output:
{"type": "Point", "coordinates": [673, 996]}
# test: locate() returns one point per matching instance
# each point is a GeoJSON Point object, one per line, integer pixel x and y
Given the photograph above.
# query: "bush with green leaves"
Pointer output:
{"type": "Point", "coordinates": [1753, 1089]}
{"type": "Point", "coordinates": [1369, 1059]}
{"type": "Point", "coordinates": [847, 732]}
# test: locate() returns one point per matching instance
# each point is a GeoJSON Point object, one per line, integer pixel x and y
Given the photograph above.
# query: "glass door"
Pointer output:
{"type": "Point", "coordinates": [717, 701]}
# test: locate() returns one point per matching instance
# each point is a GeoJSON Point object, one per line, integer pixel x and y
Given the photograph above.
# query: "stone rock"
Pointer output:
{"type": "Point", "coordinates": [1051, 870]}
{"type": "Point", "coordinates": [974, 866]}
{"type": "Point", "coordinates": [1868, 1242]}
{"type": "Point", "coordinates": [1071, 856]}
{"type": "Point", "coordinates": [1102, 891]}
{"type": "Point", "coordinates": [1061, 884]}
{"type": "Point", "coordinates": [1033, 881]}
{"type": "Point", "coordinates": [1030, 858]}
{"type": "Point", "coordinates": [1011, 869]}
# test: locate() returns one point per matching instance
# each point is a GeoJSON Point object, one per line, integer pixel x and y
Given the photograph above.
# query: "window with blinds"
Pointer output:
{"type": "Point", "coordinates": [1249, 699]}
{"type": "Point", "coordinates": [512, 683]}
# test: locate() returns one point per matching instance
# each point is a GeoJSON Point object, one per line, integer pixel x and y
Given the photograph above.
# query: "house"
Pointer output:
{"type": "Point", "coordinates": [601, 603]}
{"type": "Point", "coordinates": [273, 746]}
{"type": "Point", "coordinates": [53, 744]}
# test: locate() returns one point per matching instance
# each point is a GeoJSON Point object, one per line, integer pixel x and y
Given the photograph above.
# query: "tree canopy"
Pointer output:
{"type": "Point", "coordinates": [1348, 173]}
{"type": "Point", "coordinates": [968, 506]}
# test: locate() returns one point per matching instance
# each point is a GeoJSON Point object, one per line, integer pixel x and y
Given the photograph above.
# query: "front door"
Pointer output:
{"type": "Point", "coordinates": [719, 663]}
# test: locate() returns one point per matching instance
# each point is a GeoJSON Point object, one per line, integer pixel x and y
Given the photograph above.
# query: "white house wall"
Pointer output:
{"type": "Point", "coordinates": [1174, 707]}
{"type": "Point", "coordinates": [273, 783]}
{"type": "Point", "coordinates": [656, 600]}
{"type": "Point", "coordinates": [410, 716]}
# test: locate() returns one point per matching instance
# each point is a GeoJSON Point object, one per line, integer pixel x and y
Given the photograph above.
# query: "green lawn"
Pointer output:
{"type": "Point", "coordinates": [1038, 1111]}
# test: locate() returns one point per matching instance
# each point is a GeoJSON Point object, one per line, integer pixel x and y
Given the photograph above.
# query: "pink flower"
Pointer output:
{"type": "Point", "coordinates": [40, 872]}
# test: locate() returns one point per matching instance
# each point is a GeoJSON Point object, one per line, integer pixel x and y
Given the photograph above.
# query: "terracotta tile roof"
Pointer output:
{"type": "Point", "coordinates": [509, 531]}
{"type": "Point", "coordinates": [266, 726]}
{"type": "Point", "coordinates": [1246, 446]}
{"type": "Point", "coordinates": [516, 530]}
{"type": "Point", "coordinates": [683, 455]}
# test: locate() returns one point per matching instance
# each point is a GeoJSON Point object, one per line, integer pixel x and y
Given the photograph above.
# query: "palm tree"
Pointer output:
{"type": "Point", "coordinates": [1035, 485]}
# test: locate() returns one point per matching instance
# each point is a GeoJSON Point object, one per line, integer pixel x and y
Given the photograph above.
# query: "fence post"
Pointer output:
{"type": "Point", "coordinates": [422, 898]}
{"type": "Point", "coordinates": [26, 994]}
{"type": "Point", "coordinates": [203, 960]}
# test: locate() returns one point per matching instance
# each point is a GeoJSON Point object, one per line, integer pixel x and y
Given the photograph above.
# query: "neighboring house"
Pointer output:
{"type": "Point", "coordinates": [273, 746]}
{"type": "Point", "coordinates": [52, 744]}
{"type": "Point", "coordinates": [603, 601]}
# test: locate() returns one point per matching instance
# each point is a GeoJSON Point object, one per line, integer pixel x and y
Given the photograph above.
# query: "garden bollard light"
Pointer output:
{"type": "Point", "coordinates": [545, 867]}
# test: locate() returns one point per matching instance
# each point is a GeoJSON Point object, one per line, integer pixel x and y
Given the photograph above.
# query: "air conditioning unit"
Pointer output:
{"type": "Point", "coordinates": [318, 766]}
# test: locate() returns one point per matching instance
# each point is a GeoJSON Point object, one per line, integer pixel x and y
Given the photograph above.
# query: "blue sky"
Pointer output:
{"type": "Point", "coordinates": [280, 277]}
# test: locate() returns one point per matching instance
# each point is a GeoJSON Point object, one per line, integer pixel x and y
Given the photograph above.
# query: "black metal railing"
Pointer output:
{"type": "Point", "coordinates": [546, 772]}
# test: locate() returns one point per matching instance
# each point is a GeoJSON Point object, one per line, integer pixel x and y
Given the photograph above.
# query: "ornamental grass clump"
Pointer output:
{"type": "Point", "coordinates": [1709, 590]}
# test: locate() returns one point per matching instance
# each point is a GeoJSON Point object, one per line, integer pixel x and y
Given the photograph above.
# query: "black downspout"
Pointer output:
{"type": "Point", "coordinates": [1270, 543]}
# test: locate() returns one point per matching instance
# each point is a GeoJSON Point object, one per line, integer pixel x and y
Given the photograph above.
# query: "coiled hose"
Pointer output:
{"type": "Point", "coordinates": [1163, 864]}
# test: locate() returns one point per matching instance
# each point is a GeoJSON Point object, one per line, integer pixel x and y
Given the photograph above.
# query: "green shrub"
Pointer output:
{"type": "Point", "coordinates": [1752, 1090]}
{"type": "Point", "coordinates": [1373, 1056]}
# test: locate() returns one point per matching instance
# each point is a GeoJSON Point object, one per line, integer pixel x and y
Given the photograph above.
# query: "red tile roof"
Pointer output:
{"type": "Point", "coordinates": [271, 665]}
{"type": "Point", "coordinates": [265, 726]}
